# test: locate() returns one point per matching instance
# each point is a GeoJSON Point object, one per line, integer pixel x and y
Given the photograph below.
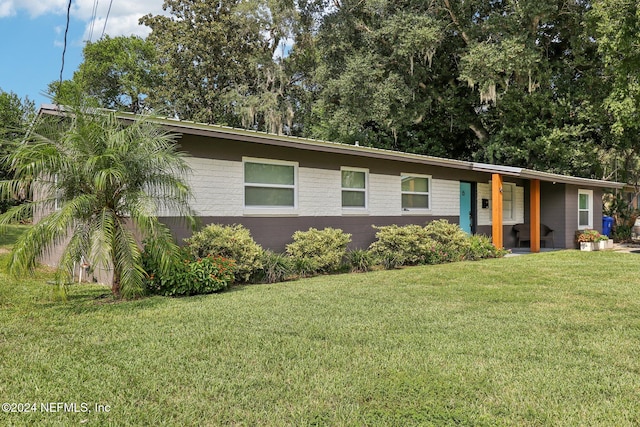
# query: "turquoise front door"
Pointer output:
{"type": "Point", "coordinates": [466, 217]}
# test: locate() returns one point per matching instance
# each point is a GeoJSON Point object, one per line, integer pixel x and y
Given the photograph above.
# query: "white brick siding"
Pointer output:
{"type": "Point", "coordinates": [445, 197]}
{"type": "Point", "coordinates": [484, 215]}
{"type": "Point", "coordinates": [385, 198]}
{"type": "Point", "coordinates": [217, 186]}
{"type": "Point", "coordinates": [319, 192]}
{"type": "Point", "coordinates": [218, 189]}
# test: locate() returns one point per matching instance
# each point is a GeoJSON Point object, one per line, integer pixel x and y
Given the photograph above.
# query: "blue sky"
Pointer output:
{"type": "Point", "coordinates": [32, 34]}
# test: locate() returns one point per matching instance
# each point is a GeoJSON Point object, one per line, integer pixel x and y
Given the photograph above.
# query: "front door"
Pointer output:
{"type": "Point", "coordinates": [466, 211]}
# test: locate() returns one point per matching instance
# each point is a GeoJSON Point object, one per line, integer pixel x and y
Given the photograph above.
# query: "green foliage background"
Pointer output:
{"type": "Point", "coordinates": [544, 84]}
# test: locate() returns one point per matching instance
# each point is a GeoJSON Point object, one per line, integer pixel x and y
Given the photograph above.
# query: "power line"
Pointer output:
{"type": "Point", "coordinates": [64, 49]}
{"type": "Point", "coordinates": [93, 18]}
{"type": "Point", "coordinates": [106, 19]}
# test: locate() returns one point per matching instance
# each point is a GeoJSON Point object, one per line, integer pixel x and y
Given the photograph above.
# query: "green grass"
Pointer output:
{"type": "Point", "coordinates": [548, 339]}
{"type": "Point", "coordinates": [9, 236]}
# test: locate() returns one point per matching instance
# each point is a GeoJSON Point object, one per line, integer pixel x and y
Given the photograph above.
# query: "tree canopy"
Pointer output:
{"type": "Point", "coordinates": [15, 117]}
{"type": "Point", "coordinates": [544, 84]}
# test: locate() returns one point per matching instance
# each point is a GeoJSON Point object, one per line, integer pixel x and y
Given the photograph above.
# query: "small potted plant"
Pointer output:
{"type": "Point", "coordinates": [603, 242]}
{"type": "Point", "coordinates": [591, 240]}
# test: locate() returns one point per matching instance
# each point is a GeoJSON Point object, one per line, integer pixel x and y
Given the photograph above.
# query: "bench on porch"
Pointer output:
{"type": "Point", "coordinates": [523, 234]}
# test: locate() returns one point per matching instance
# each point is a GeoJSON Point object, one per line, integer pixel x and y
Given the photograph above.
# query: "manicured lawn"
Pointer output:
{"type": "Point", "coordinates": [548, 339]}
{"type": "Point", "coordinates": [11, 234]}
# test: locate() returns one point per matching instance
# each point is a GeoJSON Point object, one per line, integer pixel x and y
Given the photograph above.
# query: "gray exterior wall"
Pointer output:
{"type": "Point", "coordinates": [319, 204]}
{"type": "Point", "coordinates": [275, 233]}
{"type": "Point", "coordinates": [218, 195]}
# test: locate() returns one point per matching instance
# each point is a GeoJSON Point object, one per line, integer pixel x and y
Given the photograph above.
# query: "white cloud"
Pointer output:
{"type": "Point", "coordinates": [122, 19]}
{"type": "Point", "coordinates": [33, 7]}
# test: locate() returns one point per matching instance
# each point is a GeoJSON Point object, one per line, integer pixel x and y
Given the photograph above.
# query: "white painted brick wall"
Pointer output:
{"type": "Point", "coordinates": [484, 215]}
{"type": "Point", "coordinates": [519, 214]}
{"type": "Point", "coordinates": [384, 195]}
{"type": "Point", "coordinates": [445, 197]}
{"type": "Point", "coordinates": [217, 186]}
{"type": "Point", "coordinates": [218, 190]}
{"type": "Point", "coordinates": [319, 192]}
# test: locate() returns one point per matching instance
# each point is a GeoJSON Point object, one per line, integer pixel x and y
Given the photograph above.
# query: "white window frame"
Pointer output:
{"type": "Point", "coordinates": [270, 210]}
{"type": "Point", "coordinates": [512, 213]}
{"type": "Point", "coordinates": [589, 209]}
{"type": "Point", "coordinates": [365, 190]}
{"type": "Point", "coordinates": [428, 193]}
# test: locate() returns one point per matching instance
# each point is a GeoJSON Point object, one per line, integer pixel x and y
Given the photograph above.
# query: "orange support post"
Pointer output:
{"type": "Point", "coordinates": [496, 210]}
{"type": "Point", "coordinates": [534, 214]}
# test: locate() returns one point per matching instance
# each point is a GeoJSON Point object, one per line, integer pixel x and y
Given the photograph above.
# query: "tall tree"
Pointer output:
{"type": "Point", "coordinates": [219, 60]}
{"type": "Point", "coordinates": [15, 117]}
{"type": "Point", "coordinates": [100, 184]}
{"type": "Point", "coordinates": [617, 31]}
{"type": "Point", "coordinates": [118, 73]}
{"type": "Point", "coordinates": [494, 81]}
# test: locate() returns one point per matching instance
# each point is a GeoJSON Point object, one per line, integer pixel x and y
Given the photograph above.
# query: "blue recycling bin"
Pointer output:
{"type": "Point", "coordinates": [607, 225]}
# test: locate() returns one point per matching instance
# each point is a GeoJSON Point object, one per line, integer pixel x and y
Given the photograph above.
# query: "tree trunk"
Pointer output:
{"type": "Point", "coordinates": [115, 284]}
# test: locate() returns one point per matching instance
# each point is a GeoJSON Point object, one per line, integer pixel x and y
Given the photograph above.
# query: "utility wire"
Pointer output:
{"type": "Point", "coordinates": [94, 11]}
{"type": "Point", "coordinates": [106, 19]}
{"type": "Point", "coordinates": [64, 50]}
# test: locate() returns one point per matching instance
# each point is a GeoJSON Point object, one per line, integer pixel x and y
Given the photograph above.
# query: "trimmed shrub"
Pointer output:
{"type": "Point", "coordinates": [304, 267]}
{"type": "Point", "coordinates": [229, 241]}
{"type": "Point", "coordinates": [275, 267]}
{"type": "Point", "coordinates": [480, 247]}
{"type": "Point", "coordinates": [407, 245]}
{"type": "Point", "coordinates": [190, 276]}
{"type": "Point", "coordinates": [451, 241]}
{"type": "Point", "coordinates": [318, 251]}
{"type": "Point", "coordinates": [360, 260]}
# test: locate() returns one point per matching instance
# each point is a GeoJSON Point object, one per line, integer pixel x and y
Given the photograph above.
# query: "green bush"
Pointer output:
{"type": "Point", "coordinates": [622, 233]}
{"type": "Point", "coordinates": [229, 241]}
{"type": "Point", "coordinates": [189, 276]}
{"type": "Point", "coordinates": [304, 267]}
{"type": "Point", "coordinates": [360, 260]}
{"type": "Point", "coordinates": [481, 247]}
{"type": "Point", "coordinates": [275, 267]}
{"type": "Point", "coordinates": [451, 241]}
{"type": "Point", "coordinates": [403, 245]}
{"type": "Point", "coordinates": [318, 251]}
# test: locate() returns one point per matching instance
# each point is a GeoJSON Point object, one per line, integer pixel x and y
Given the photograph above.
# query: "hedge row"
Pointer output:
{"type": "Point", "coordinates": [218, 255]}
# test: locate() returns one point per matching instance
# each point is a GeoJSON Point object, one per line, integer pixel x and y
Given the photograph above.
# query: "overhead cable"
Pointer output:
{"type": "Point", "coordinates": [106, 19]}
{"type": "Point", "coordinates": [64, 49]}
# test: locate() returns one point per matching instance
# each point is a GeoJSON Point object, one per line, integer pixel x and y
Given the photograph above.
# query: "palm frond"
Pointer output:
{"type": "Point", "coordinates": [102, 237]}
{"type": "Point", "coordinates": [75, 250]}
{"type": "Point", "coordinates": [127, 262]}
{"type": "Point", "coordinates": [92, 176]}
{"type": "Point", "coordinates": [49, 232]}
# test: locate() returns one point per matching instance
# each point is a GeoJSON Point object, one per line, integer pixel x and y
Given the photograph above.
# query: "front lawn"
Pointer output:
{"type": "Point", "coordinates": [548, 339]}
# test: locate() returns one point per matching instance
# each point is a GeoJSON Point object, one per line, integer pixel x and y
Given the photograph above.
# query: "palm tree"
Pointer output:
{"type": "Point", "coordinates": [99, 183]}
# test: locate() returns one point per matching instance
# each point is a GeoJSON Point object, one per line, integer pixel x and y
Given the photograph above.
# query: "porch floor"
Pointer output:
{"type": "Point", "coordinates": [527, 251]}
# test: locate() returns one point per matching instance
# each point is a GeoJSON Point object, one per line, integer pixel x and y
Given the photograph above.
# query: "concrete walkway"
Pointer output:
{"type": "Point", "coordinates": [527, 251]}
{"type": "Point", "coordinates": [627, 247]}
{"type": "Point", "coordinates": [617, 247]}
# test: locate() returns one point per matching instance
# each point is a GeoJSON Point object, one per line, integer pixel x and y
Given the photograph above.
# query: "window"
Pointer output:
{"type": "Point", "coordinates": [508, 201]}
{"type": "Point", "coordinates": [416, 192]}
{"type": "Point", "coordinates": [269, 183]}
{"type": "Point", "coordinates": [354, 188]}
{"type": "Point", "coordinates": [585, 209]}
